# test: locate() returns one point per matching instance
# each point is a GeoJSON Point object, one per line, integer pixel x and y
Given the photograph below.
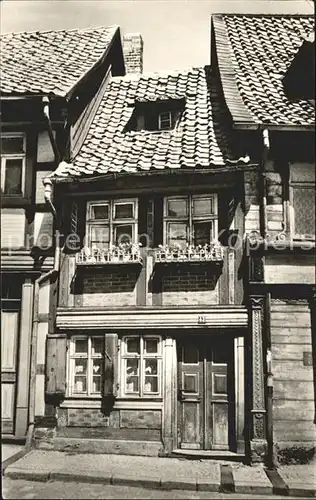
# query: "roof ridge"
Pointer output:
{"type": "Point", "coordinates": [148, 74]}
{"type": "Point", "coordinates": [246, 14]}
{"type": "Point", "coordinates": [81, 30]}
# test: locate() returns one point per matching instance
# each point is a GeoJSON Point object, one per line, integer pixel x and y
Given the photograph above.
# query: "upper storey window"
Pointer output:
{"type": "Point", "coordinates": [190, 220]}
{"type": "Point", "coordinates": [13, 164]}
{"type": "Point", "coordinates": [111, 222]}
{"type": "Point", "coordinates": [302, 197]}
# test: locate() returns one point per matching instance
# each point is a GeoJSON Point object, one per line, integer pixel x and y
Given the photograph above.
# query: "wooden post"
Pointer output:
{"type": "Point", "coordinates": [240, 393]}
{"type": "Point", "coordinates": [24, 359]}
{"type": "Point", "coordinates": [258, 442]}
{"type": "Point", "coordinates": [168, 424]}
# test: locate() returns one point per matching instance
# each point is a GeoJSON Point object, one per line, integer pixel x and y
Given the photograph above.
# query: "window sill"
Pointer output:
{"type": "Point", "coordinates": [120, 403]}
{"type": "Point", "coordinates": [15, 201]}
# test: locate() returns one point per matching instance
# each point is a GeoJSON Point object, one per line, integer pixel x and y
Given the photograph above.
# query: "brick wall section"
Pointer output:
{"type": "Point", "coordinates": [189, 286]}
{"type": "Point", "coordinates": [133, 52]}
{"type": "Point", "coordinates": [110, 287]}
{"type": "Point", "coordinates": [91, 417]}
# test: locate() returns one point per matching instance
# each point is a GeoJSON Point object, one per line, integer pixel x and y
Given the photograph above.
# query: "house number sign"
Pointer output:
{"type": "Point", "coordinates": [201, 320]}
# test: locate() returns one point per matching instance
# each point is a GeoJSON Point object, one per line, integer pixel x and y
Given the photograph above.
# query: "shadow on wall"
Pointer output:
{"type": "Point", "coordinates": [188, 277]}
{"type": "Point", "coordinates": [106, 280]}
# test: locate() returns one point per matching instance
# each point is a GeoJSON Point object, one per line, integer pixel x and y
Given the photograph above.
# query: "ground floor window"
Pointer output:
{"type": "Point", "coordinates": [141, 366]}
{"type": "Point", "coordinates": [86, 365]}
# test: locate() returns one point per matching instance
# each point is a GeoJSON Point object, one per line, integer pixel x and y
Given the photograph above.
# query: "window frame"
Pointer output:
{"type": "Point", "coordinates": [293, 185]}
{"type": "Point", "coordinates": [111, 222]}
{"type": "Point", "coordinates": [142, 357]}
{"type": "Point", "coordinates": [190, 219]}
{"type": "Point", "coordinates": [160, 120]}
{"type": "Point", "coordinates": [72, 356]}
{"type": "Point", "coordinates": [17, 156]}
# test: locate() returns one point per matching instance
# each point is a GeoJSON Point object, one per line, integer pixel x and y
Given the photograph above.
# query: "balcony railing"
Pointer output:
{"type": "Point", "coordinates": [116, 255]}
{"type": "Point", "coordinates": [207, 253]}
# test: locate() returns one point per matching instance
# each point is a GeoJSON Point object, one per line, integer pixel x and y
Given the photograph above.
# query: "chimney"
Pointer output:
{"type": "Point", "coordinates": [133, 52]}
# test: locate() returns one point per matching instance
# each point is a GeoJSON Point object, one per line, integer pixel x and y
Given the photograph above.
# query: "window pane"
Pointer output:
{"type": "Point", "coordinates": [132, 366]}
{"type": "Point", "coordinates": [304, 211]}
{"type": "Point", "coordinates": [202, 233]}
{"type": "Point", "coordinates": [80, 384]}
{"type": "Point", "coordinates": [177, 208]}
{"type": "Point", "coordinates": [81, 346]}
{"type": "Point", "coordinates": [203, 206]}
{"type": "Point", "coordinates": [132, 384]}
{"type": "Point", "coordinates": [97, 366]}
{"type": "Point", "coordinates": [81, 366]}
{"type": "Point", "coordinates": [132, 375]}
{"type": "Point", "coordinates": [177, 234]}
{"type": "Point", "coordinates": [124, 211]}
{"type": "Point", "coordinates": [100, 212]}
{"type": "Point", "coordinates": [132, 345]}
{"type": "Point", "coordinates": [96, 384]}
{"type": "Point", "coordinates": [13, 176]}
{"type": "Point", "coordinates": [151, 384]}
{"type": "Point", "coordinates": [151, 346]}
{"type": "Point", "coordinates": [97, 346]}
{"type": "Point", "coordinates": [123, 234]}
{"type": "Point", "coordinates": [151, 367]}
{"type": "Point", "coordinates": [12, 145]}
{"type": "Point", "coordinates": [100, 237]}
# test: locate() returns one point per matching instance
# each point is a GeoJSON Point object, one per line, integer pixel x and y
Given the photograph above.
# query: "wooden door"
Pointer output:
{"type": "Point", "coordinates": [206, 393]}
{"type": "Point", "coordinates": [190, 394]}
{"type": "Point", "coordinates": [219, 411]}
{"type": "Point", "coordinates": [9, 345]}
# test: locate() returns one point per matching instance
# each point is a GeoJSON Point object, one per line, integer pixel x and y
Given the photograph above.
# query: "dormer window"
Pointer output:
{"type": "Point", "coordinates": [165, 120]}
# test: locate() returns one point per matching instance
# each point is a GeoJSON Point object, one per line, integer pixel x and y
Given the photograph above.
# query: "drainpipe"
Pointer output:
{"type": "Point", "coordinates": [263, 204]}
{"type": "Point", "coordinates": [45, 101]}
{"type": "Point", "coordinates": [50, 275]}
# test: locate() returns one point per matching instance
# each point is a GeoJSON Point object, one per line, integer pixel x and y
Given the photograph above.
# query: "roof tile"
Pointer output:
{"type": "Point", "coordinates": [260, 49]}
{"type": "Point", "coordinates": [50, 62]}
{"type": "Point", "coordinates": [202, 138]}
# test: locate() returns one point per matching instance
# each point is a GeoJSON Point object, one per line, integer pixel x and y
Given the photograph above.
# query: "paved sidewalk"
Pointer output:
{"type": "Point", "coordinates": [165, 473]}
{"type": "Point", "coordinates": [10, 453]}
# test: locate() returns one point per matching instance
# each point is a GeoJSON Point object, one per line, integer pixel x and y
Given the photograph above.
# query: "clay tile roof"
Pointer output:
{"type": "Point", "coordinates": [201, 139]}
{"type": "Point", "coordinates": [254, 52]}
{"type": "Point", "coordinates": [50, 62]}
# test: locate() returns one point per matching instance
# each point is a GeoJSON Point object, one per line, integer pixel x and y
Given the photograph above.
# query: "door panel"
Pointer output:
{"type": "Point", "coordinates": [206, 392]}
{"type": "Point", "coordinates": [190, 393]}
{"type": "Point", "coordinates": [9, 340]}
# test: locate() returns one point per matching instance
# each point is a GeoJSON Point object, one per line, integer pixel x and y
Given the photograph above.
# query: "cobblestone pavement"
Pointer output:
{"type": "Point", "coordinates": [21, 489]}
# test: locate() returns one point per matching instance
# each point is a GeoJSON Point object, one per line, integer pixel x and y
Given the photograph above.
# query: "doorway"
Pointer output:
{"type": "Point", "coordinates": [206, 393]}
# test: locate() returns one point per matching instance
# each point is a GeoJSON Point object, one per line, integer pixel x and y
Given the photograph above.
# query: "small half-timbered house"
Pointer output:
{"type": "Point", "coordinates": [50, 89]}
{"type": "Point", "coordinates": [266, 65]}
{"type": "Point", "coordinates": [147, 356]}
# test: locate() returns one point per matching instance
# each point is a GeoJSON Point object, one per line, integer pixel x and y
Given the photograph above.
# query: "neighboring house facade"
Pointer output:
{"type": "Point", "coordinates": [50, 89]}
{"type": "Point", "coordinates": [267, 69]}
{"type": "Point", "coordinates": [148, 352]}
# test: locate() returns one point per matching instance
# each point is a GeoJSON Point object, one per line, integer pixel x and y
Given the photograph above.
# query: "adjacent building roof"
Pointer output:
{"type": "Point", "coordinates": [254, 52]}
{"type": "Point", "coordinates": [50, 62]}
{"type": "Point", "coordinates": [201, 138]}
